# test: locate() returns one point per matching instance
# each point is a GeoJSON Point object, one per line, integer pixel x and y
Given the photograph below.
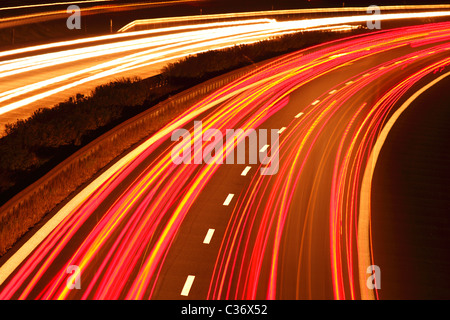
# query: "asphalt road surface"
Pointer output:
{"type": "Point", "coordinates": [288, 228]}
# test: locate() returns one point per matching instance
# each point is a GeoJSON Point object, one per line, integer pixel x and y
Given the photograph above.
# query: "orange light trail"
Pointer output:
{"type": "Point", "coordinates": [121, 234]}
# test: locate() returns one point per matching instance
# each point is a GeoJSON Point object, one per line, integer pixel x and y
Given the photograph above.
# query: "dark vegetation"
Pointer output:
{"type": "Point", "coordinates": [31, 147]}
{"type": "Point", "coordinates": [212, 63]}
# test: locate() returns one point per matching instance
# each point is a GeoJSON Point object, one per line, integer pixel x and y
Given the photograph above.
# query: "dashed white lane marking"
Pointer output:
{"type": "Point", "coordinates": [187, 286]}
{"type": "Point", "coordinates": [281, 130]}
{"type": "Point", "coordinates": [299, 115]}
{"type": "Point", "coordinates": [348, 83]}
{"type": "Point", "coordinates": [208, 236]}
{"type": "Point", "coordinates": [246, 170]}
{"type": "Point", "coordinates": [315, 102]}
{"type": "Point", "coordinates": [228, 199]}
{"type": "Point", "coordinates": [264, 148]}
{"type": "Point", "coordinates": [332, 91]}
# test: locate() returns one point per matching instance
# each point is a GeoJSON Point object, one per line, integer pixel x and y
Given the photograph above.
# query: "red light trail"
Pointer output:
{"type": "Point", "coordinates": [282, 230]}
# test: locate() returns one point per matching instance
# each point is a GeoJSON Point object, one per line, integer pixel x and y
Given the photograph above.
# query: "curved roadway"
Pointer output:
{"type": "Point", "coordinates": [149, 228]}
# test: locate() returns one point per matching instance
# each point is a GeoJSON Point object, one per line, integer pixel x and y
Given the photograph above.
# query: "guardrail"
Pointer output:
{"type": "Point", "coordinates": [29, 206]}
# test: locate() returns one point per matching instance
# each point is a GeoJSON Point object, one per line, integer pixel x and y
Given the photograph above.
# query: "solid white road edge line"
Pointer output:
{"type": "Point", "coordinates": [364, 259]}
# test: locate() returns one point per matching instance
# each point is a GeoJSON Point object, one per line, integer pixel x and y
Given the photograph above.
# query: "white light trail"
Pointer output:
{"type": "Point", "coordinates": [154, 47]}
{"type": "Point", "coordinates": [166, 48]}
{"type": "Point", "coordinates": [52, 4]}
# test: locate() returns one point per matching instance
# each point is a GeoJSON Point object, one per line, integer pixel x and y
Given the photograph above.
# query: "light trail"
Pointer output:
{"type": "Point", "coordinates": [52, 4]}
{"type": "Point", "coordinates": [55, 14]}
{"type": "Point", "coordinates": [127, 35]}
{"type": "Point", "coordinates": [145, 198]}
{"type": "Point", "coordinates": [182, 37]}
{"type": "Point", "coordinates": [159, 50]}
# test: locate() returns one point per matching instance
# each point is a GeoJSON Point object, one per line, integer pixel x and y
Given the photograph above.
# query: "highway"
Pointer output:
{"type": "Point", "coordinates": [44, 75]}
{"type": "Point", "coordinates": [148, 228]}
